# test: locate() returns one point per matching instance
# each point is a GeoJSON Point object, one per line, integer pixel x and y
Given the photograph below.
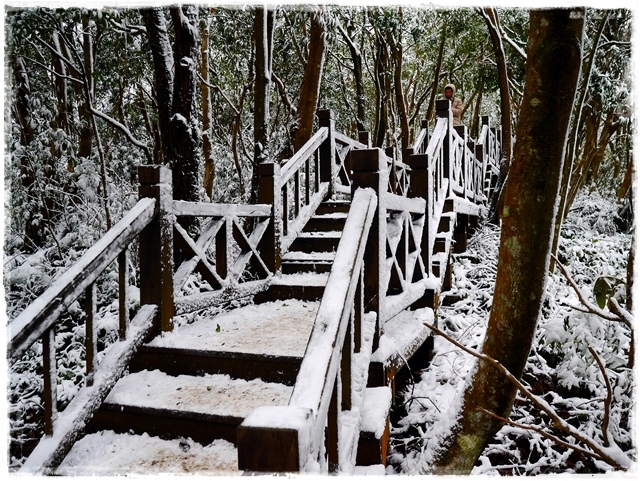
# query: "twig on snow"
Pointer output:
{"type": "Point", "coordinates": [617, 460]}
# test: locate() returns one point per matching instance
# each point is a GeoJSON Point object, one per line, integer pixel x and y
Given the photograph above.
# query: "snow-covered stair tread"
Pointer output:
{"type": "Point", "coordinates": [304, 279]}
{"type": "Point", "coordinates": [214, 394]}
{"type": "Point", "coordinates": [309, 256]}
{"type": "Point", "coordinates": [403, 334]}
{"type": "Point", "coordinates": [279, 328]}
{"type": "Point", "coordinates": [107, 453]}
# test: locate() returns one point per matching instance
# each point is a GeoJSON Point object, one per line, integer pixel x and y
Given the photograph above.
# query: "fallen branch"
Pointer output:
{"type": "Point", "coordinates": [611, 455]}
{"type": "Point", "coordinates": [608, 399]}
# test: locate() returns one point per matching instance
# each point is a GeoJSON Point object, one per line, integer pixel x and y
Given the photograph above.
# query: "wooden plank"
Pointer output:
{"type": "Point", "coordinates": [344, 140]}
{"type": "Point", "coordinates": [205, 209]}
{"type": "Point", "coordinates": [399, 203]}
{"type": "Point", "coordinates": [40, 315]}
{"type": "Point", "coordinates": [201, 427]}
{"type": "Point", "coordinates": [238, 365]}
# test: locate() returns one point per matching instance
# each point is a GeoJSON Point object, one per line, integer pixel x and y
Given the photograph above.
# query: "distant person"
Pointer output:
{"type": "Point", "coordinates": [456, 104]}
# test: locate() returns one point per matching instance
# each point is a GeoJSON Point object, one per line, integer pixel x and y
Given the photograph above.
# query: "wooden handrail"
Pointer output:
{"type": "Point", "coordinates": [345, 140]}
{"type": "Point", "coordinates": [206, 209]}
{"type": "Point", "coordinates": [42, 313]}
{"type": "Point", "coordinates": [294, 163]}
{"type": "Point", "coordinates": [299, 428]}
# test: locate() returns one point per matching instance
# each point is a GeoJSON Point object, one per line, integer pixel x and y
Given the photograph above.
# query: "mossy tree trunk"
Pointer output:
{"type": "Point", "coordinates": [530, 206]}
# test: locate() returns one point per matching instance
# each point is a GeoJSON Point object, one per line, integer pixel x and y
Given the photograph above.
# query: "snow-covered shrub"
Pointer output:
{"type": "Point", "coordinates": [561, 368]}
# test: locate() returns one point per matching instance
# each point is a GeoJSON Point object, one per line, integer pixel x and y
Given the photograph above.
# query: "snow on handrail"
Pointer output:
{"type": "Point", "coordinates": [321, 361]}
{"type": "Point", "coordinates": [40, 315]}
{"type": "Point", "coordinates": [293, 164]}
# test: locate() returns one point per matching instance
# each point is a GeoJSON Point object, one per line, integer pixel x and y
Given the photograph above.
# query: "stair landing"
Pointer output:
{"type": "Point", "coordinates": [279, 328]}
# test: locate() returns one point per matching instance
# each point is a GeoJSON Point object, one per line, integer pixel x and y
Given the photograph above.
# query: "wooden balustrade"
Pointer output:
{"type": "Point", "coordinates": [226, 254]}
{"type": "Point", "coordinates": [38, 322]}
{"type": "Point", "coordinates": [325, 409]}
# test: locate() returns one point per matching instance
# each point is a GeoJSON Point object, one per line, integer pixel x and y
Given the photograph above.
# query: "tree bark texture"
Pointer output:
{"type": "Point", "coordinates": [158, 36]}
{"type": "Point", "coordinates": [310, 87]}
{"type": "Point", "coordinates": [530, 206]}
{"type": "Point", "coordinates": [207, 146]}
{"type": "Point", "coordinates": [263, 39]}
{"type": "Point", "coordinates": [184, 127]}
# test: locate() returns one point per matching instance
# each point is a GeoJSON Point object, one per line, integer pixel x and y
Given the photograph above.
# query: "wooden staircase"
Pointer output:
{"type": "Point", "coordinates": [195, 385]}
{"type": "Point", "coordinates": [289, 379]}
{"type": "Point", "coordinates": [198, 383]}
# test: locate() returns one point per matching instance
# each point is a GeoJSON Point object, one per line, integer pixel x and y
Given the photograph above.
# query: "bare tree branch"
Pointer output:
{"type": "Point", "coordinates": [543, 433]}
{"type": "Point", "coordinates": [607, 402]}
{"type": "Point", "coordinates": [592, 308]}
{"type": "Point", "coordinates": [617, 460]}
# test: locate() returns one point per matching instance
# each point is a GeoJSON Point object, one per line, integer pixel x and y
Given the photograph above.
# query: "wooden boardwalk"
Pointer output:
{"type": "Point", "coordinates": [332, 276]}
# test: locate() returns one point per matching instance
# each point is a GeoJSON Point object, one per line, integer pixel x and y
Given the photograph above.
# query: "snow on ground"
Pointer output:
{"type": "Point", "coordinates": [559, 359]}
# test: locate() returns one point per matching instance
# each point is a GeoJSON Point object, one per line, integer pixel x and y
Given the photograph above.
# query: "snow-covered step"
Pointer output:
{"type": "Point", "coordinates": [265, 341]}
{"type": "Point", "coordinates": [107, 453]}
{"type": "Point", "coordinates": [331, 221]}
{"type": "Point", "coordinates": [322, 241]}
{"type": "Point", "coordinates": [333, 206]}
{"type": "Point", "coordinates": [203, 408]}
{"type": "Point", "coordinates": [303, 286]}
{"type": "Point", "coordinates": [297, 262]}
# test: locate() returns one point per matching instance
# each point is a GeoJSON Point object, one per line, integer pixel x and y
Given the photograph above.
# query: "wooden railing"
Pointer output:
{"type": "Point", "coordinates": [391, 231]}
{"type": "Point", "coordinates": [325, 409]}
{"type": "Point", "coordinates": [38, 322]}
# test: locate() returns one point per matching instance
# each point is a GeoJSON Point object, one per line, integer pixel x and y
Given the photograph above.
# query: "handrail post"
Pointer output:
{"type": "Point", "coordinates": [327, 151]}
{"type": "Point", "coordinates": [462, 132]}
{"type": "Point", "coordinates": [156, 243]}
{"type": "Point", "coordinates": [364, 137]}
{"type": "Point", "coordinates": [443, 110]}
{"type": "Point", "coordinates": [270, 192]}
{"type": "Point", "coordinates": [421, 185]}
{"type": "Point", "coordinates": [369, 167]}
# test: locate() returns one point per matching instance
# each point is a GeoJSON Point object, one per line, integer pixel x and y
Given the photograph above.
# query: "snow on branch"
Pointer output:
{"type": "Point", "coordinates": [627, 319]}
{"type": "Point", "coordinates": [612, 455]}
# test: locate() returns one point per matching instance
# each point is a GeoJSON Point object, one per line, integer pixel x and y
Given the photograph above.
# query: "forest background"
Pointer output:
{"type": "Point", "coordinates": [81, 118]}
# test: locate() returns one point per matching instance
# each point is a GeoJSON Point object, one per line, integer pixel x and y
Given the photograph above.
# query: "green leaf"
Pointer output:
{"type": "Point", "coordinates": [217, 327]}
{"type": "Point", "coordinates": [602, 290]}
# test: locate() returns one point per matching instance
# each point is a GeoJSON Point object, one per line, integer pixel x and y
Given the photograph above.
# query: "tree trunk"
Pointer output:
{"type": "Point", "coordinates": [572, 145]}
{"type": "Point", "coordinates": [381, 81]}
{"type": "Point", "coordinates": [436, 76]}
{"type": "Point", "coordinates": [491, 18]}
{"type": "Point", "coordinates": [184, 154]}
{"type": "Point", "coordinates": [86, 139]}
{"type": "Point", "coordinates": [310, 87]}
{"type": "Point", "coordinates": [530, 206]}
{"type": "Point", "coordinates": [358, 79]}
{"type": "Point", "coordinates": [263, 33]}
{"type": "Point", "coordinates": [156, 26]}
{"type": "Point", "coordinates": [207, 146]}
{"type": "Point", "coordinates": [475, 122]}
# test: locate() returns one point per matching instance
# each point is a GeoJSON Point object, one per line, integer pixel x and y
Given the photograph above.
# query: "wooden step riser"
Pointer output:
{"type": "Point", "coordinates": [176, 362]}
{"type": "Point", "coordinates": [305, 267]}
{"type": "Point", "coordinates": [333, 207]}
{"type": "Point", "coordinates": [280, 292]}
{"type": "Point", "coordinates": [315, 244]}
{"type": "Point", "coordinates": [324, 224]}
{"type": "Point", "coordinates": [164, 423]}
